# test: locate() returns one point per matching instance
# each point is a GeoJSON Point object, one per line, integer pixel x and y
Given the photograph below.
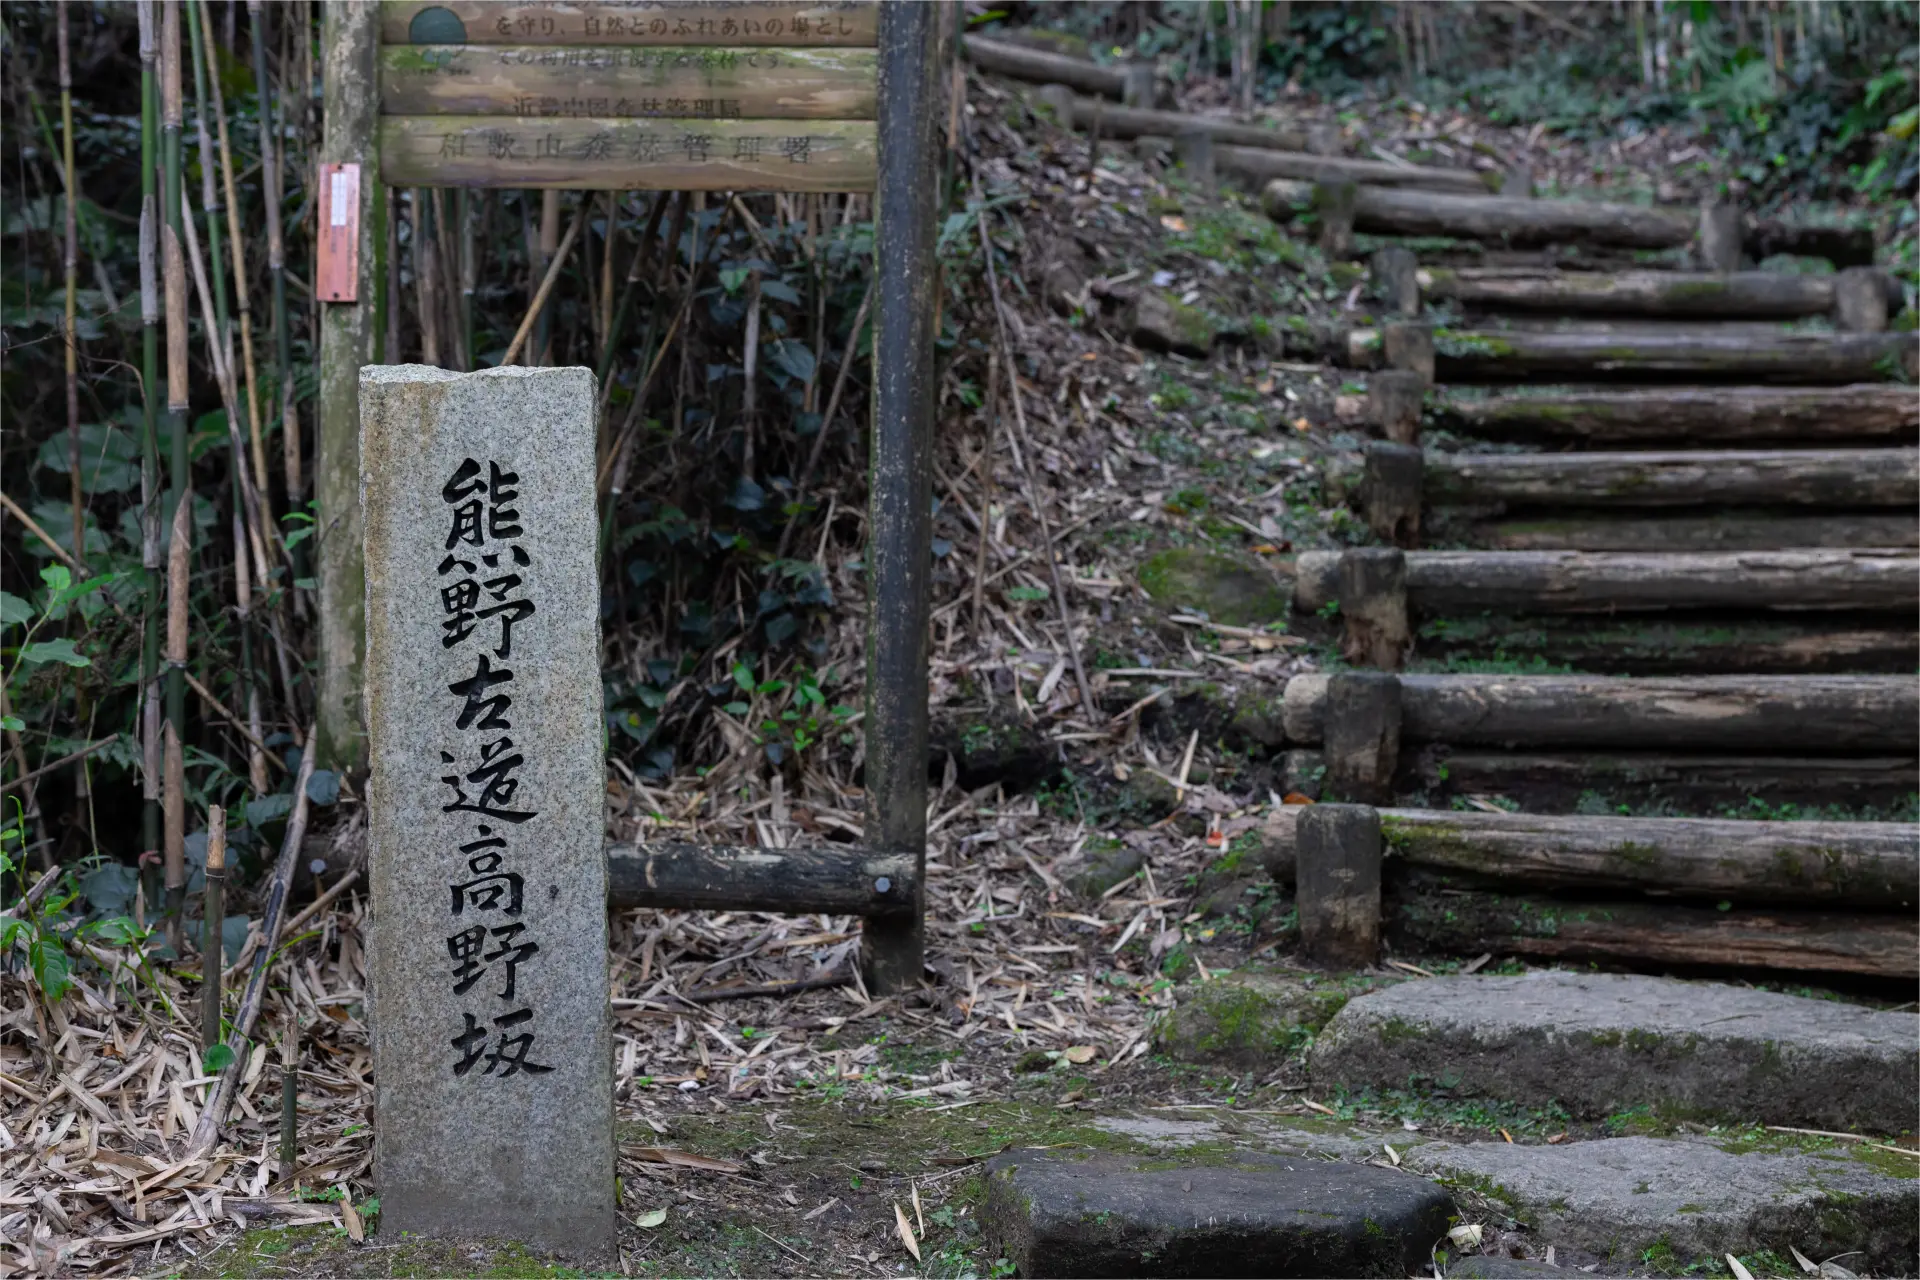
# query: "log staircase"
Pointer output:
{"type": "Point", "coordinates": [1671, 518]}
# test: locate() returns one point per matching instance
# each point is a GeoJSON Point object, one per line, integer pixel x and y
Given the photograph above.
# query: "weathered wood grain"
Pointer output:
{"type": "Point", "coordinates": [1823, 478]}
{"type": "Point", "coordinates": [600, 154]}
{"type": "Point", "coordinates": [1041, 66]}
{"type": "Point", "coordinates": [1748, 294]}
{"type": "Point", "coordinates": [676, 83]}
{"type": "Point", "coordinates": [849, 23]}
{"type": "Point", "coordinates": [1720, 531]}
{"type": "Point", "coordinates": [1468, 355]}
{"type": "Point", "coordinates": [1494, 219]}
{"type": "Point", "coordinates": [1862, 411]}
{"type": "Point", "coordinates": [1263, 164]}
{"type": "Point", "coordinates": [700, 877]}
{"type": "Point", "coordinates": [1587, 582]}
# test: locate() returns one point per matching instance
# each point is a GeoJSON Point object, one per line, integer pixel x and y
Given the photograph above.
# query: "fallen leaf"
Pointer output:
{"type": "Point", "coordinates": [1739, 1268]}
{"type": "Point", "coordinates": [1294, 797]}
{"type": "Point", "coordinates": [651, 1218]}
{"type": "Point", "coordinates": [919, 1219]}
{"type": "Point", "coordinates": [1506, 1135]}
{"type": "Point", "coordinates": [684, 1159]}
{"type": "Point", "coordinates": [1466, 1235]}
{"type": "Point", "coordinates": [1315, 1106]}
{"type": "Point", "coordinates": [1171, 223]}
{"type": "Point", "coordinates": [1806, 1263]}
{"type": "Point", "coordinates": [1391, 1154]}
{"type": "Point", "coordinates": [1080, 1054]}
{"type": "Point", "coordinates": [1556, 1139]}
{"type": "Point", "coordinates": [906, 1231]}
{"type": "Point", "coordinates": [1301, 424]}
{"type": "Point", "coordinates": [350, 1216]}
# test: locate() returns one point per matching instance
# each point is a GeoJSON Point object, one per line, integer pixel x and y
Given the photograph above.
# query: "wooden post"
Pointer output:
{"type": "Point", "coordinates": [1059, 98]}
{"type": "Point", "coordinates": [1395, 398]}
{"type": "Point", "coordinates": [899, 526]}
{"type": "Point", "coordinates": [1373, 602]}
{"type": "Point", "coordinates": [1195, 149]}
{"type": "Point", "coordinates": [1519, 183]}
{"type": "Point", "coordinates": [1390, 491]}
{"type": "Point", "coordinates": [1136, 83]}
{"type": "Point", "coordinates": [1337, 883]}
{"type": "Point", "coordinates": [1396, 282]}
{"type": "Point", "coordinates": [347, 334]}
{"type": "Point", "coordinates": [1362, 735]}
{"type": "Point", "coordinates": [1860, 301]}
{"type": "Point", "coordinates": [1407, 344]}
{"type": "Point", "coordinates": [1718, 247]}
{"type": "Point", "coordinates": [1333, 204]}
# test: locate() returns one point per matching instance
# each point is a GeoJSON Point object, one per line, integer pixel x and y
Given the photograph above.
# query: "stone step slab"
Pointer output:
{"type": "Point", "coordinates": [1096, 1213]}
{"type": "Point", "coordinates": [1620, 1197]}
{"type": "Point", "coordinates": [1598, 1044]}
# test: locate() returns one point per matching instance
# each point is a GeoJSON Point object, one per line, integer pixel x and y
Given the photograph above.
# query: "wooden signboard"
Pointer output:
{"type": "Point", "coordinates": [624, 95]}
{"type": "Point", "coordinates": [339, 240]}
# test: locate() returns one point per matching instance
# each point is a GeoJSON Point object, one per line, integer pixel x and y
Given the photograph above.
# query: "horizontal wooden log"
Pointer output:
{"type": "Point", "coordinates": [1700, 294]}
{"type": "Point", "coordinates": [1262, 164]}
{"type": "Point", "coordinates": [1720, 531]}
{"type": "Point", "coordinates": [1454, 582]}
{"type": "Point", "coordinates": [1854, 714]}
{"type": "Point", "coordinates": [534, 82]}
{"type": "Point", "coordinates": [1657, 934]}
{"type": "Point", "coordinates": [601, 154]}
{"type": "Point", "coordinates": [1558, 781]}
{"type": "Point", "coordinates": [1137, 122]}
{"type": "Point", "coordinates": [852, 23]}
{"type": "Point", "coordinates": [1850, 864]}
{"type": "Point", "coordinates": [1686, 644]}
{"type": "Point", "coordinates": [1587, 582]}
{"type": "Point", "coordinates": [1497, 219]}
{"type": "Point", "coordinates": [1469, 355]}
{"type": "Point", "coordinates": [1040, 66]}
{"type": "Point", "coordinates": [1698, 415]}
{"type": "Point", "coordinates": [1814, 478]}
{"type": "Point", "coordinates": [1842, 246]}
{"type": "Point", "coordinates": [698, 877]}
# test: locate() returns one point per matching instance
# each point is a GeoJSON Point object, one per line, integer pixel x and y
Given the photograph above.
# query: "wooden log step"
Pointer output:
{"type": "Point", "coordinates": [1839, 478]}
{"type": "Point", "coordinates": [1453, 921]}
{"type": "Point", "coordinates": [1853, 714]}
{"type": "Point", "coordinates": [1842, 246]}
{"type": "Point", "coordinates": [1470, 356]}
{"type": "Point", "coordinates": [729, 878]}
{"type": "Point", "coordinates": [1719, 531]}
{"type": "Point", "coordinates": [1557, 782]}
{"type": "Point", "coordinates": [1498, 219]}
{"type": "Point", "coordinates": [1656, 645]}
{"type": "Point", "coordinates": [1262, 164]}
{"type": "Point", "coordinates": [1862, 411]}
{"type": "Point", "coordinates": [1686, 294]}
{"type": "Point", "coordinates": [1023, 62]}
{"type": "Point", "coordinates": [1847, 864]}
{"type": "Point", "coordinates": [1453, 582]}
{"type": "Point", "coordinates": [1138, 122]}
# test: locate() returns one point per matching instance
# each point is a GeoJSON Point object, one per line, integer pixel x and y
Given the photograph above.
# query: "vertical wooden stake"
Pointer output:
{"type": "Point", "coordinates": [1408, 344]}
{"type": "Point", "coordinates": [1860, 301]}
{"type": "Point", "coordinates": [1718, 247]}
{"type": "Point", "coordinates": [347, 332]}
{"type": "Point", "coordinates": [1195, 149]}
{"type": "Point", "coordinates": [1337, 883]}
{"type": "Point", "coordinates": [1395, 398]}
{"type": "Point", "coordinates": [1333, 206]}
{"type": "Point", "coordinates": [213, 920]}
{"type": "Point", "coordinates": [1373, 602]}
{"type": "Point", "coordinates": [1362, 736]}
{"type": "Point", "coordinates": [1396, 281]}
{"type": "Point", "coordinates": [899, 527]}
{"type": "Point", "coordinates": [1390, 491]}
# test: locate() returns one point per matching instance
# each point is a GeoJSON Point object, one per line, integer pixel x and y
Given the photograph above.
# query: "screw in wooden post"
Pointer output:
{"type": "Point", "coordinates": [1337, 883]}
{"type": "Point", "coordinates": [1408, 344]}
{"type": "Point", "coordinates": [1718, 245]}
{"type": "Point", "coordinates": [1362, 736]}
{"type": "Point", "coordinates": [1373, 604]}
{"type": "Point", "coordinates": [1395, 398]}
{"type": "Point", "coordinates": [1333, 204]}
{"type": "Point", "coordinates": [1390, 491]}
{"type": "Point", "coordinates": [213, 917]}
{"type": "Point", "coordinates": [1860, 301]}
{"type": "Point", "coordinates": [1395, 276]}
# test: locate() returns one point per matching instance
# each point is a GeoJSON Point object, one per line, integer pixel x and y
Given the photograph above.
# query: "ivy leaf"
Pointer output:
{"type": "Point", "coordinates": [13, 609]}
{"type": "Point", "coordinates": [60, 650]}
{"type": "Point", "coordinates": [50, 965]}
{"type": "Point", "coordinates": [218, 1057]}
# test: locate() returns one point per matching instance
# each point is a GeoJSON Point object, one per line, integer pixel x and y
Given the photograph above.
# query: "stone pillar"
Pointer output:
{"type": "Point", "coordinates": [1337, 883]}
{"type": "Point", "coordinates": [1719, 239]}
{"type": "Point", "coordinates": [1408, 344]}
{"type": "Point", "coordinates": [1333, 204]}
{"type": "Point", "coordinates": [1362, 735]}
{"type": "Point", "coordinates": [487, 956]}
{"type": "Point", "coordinates": [1195, 149]}
{"type": "Point", "coordinates": [1136, 83]}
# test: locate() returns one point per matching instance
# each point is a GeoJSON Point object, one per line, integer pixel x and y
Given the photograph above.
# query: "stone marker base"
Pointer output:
{"type": "Point", "coordinates": [1620, 1197]}
{"type": "Point", "coordinates": [1600, 1043]}
{"type": "Point", "coordinates": [1086, 1213]}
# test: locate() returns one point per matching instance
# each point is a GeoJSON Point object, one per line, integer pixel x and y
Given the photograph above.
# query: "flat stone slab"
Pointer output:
{"type": "Point", "coordinates": [1620, 1197]}
{"type": "Point", "coordinates": [1603, 1043]}
{"type": "Point", "coordinates": [1093, 1213]}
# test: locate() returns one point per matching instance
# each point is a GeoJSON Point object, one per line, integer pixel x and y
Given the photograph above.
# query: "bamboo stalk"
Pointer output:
{"type": "Point", "coordinates": [537, 308]}
{"type": "Point", "coordinates": [213, 927]}
{"type": "Point", "coordinates": [249, 687]}
{"type": "Point", "coordinates": [220, 1097]}
{"type": "Point", "coordinates": [173, 263]}
{"type": "Point", "coordinates": [70, 178]}
{"type": "Point", "coordinates": [149, 433]}
{"type": "Point", "coordinates": [425, 300]}
{"type": "Point", "coordinates": [550, 252]}
{"type": "Point", "coordinates": [276, 258]}
{"type": "Point", "coordinates": [469, 272]}
{"type": "Point", "coordinates": [241, 292]}
{"type": "Point", "coordinates": [173, 790]}
{"type": "Point", "coordinates": [453, 336]}
{"type": "Point", "coordinates": [986, 493]}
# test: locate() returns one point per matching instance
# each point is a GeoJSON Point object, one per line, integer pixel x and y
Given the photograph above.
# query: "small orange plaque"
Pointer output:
{"type": "Point", "coordinates": [339, 233]}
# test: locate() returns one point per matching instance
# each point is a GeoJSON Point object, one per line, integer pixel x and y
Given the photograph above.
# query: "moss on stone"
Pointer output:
{"type": "Point", "coordinates": [1224, 588]}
